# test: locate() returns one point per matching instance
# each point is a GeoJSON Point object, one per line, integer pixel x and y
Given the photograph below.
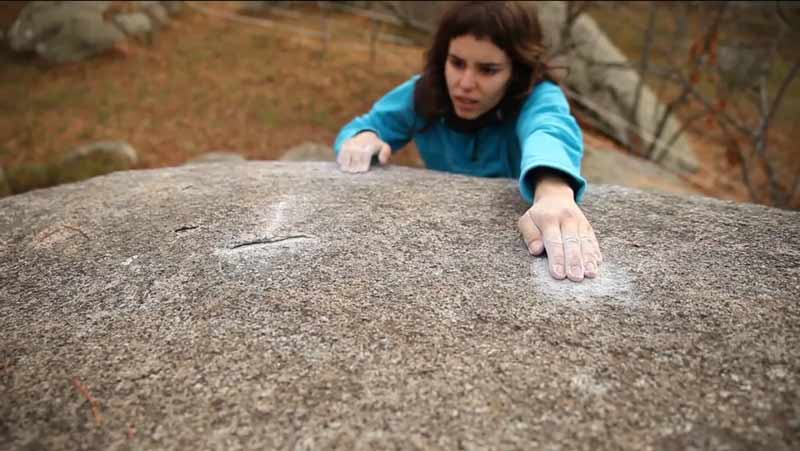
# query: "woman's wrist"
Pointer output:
{"type": "Point", "coordinates": [366, 133]}
{"type": "Point", "coordinates": [551, 184]}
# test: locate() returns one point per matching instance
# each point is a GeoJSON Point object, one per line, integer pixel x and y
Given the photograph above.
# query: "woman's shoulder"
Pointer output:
{"type": "Point", "coordinates": [545, 94]}
{"type": "Point", "coordinates": [409, 84]}
{"type": "Point", "coordinates": [404, 92]}
{"type": "Point", "coordinates": [546, 88]}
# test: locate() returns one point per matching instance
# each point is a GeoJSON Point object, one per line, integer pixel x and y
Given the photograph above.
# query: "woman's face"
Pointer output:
{"type": "Point", "coordinates": [477, 73]}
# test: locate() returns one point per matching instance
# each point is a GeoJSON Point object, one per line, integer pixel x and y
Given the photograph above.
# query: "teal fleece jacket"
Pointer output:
{"type": "Point", "coordinates": [543, 135]}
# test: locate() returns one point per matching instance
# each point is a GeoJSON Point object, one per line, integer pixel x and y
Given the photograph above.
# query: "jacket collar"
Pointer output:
{"type": "Point", "coordinates": [491, 117]}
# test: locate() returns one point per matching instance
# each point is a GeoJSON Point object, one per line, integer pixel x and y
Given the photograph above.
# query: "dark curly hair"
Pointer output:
{"type": "Point", "coordinates": [511, 27]}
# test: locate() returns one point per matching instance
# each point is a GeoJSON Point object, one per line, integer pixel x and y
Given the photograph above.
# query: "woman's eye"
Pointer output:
{"type": "Point", "coordinates": [489, 70]}
{"type": "Point", "coordinates": [458, 64]}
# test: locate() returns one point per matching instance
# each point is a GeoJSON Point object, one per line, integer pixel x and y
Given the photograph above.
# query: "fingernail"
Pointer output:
{"type": "Point", "coordinates": [559, 270]}
{"type": "Point", "coordinates": [575, 271]}
{"type": "Point", "coordinates": [591, 268]}
{"type": "Point", "coordinates": [535, 247]}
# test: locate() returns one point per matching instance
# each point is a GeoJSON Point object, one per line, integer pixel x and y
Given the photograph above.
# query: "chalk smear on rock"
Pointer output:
{"type": "Point", "coordinates": [613, 285]}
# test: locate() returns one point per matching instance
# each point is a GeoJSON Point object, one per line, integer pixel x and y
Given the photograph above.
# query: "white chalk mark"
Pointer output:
{"type": "Point", "coordinates": [275, 219]}
{"type": "Point", "coordinates": [586, 384]}
{"type": "Point", "coordinates": [129, 260]}
{"type": "Point", "coordinates": [271, 232]}
{"type": "Point", "coordinates": [613, 285]}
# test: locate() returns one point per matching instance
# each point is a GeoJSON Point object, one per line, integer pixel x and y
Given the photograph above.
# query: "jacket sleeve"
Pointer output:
{"type": "Point", "coordinates": [549, 137]}
{"type": "Point", "coordinates": [392, 118]}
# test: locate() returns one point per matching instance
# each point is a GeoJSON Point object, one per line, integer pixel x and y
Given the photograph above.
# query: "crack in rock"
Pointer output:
{"type": "Point", "coordinates": [269, 241]}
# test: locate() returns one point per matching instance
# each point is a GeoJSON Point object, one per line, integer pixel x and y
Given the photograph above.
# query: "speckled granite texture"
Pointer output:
{"type": "Point", "coordinates": [276, 305]}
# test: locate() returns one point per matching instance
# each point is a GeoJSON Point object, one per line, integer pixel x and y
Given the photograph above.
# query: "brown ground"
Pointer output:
{"type": "Point", "coordinates": [207, 84]}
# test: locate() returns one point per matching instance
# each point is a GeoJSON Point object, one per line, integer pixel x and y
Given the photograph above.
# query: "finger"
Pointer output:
{"type": "Point", "coordinates": [384, 153]}
{"type": "Point", "coordinates": [360, 161]}
{"type": "Point", "coordinates": [355, 160]}
{"type": "Point", "coordinates": [531, 235]}
{"type": "Point", "coordinates": [551, 234]}
{"type": "Point", "coordinates": [344, 160]}
{"type": "Point", "coordinates": [572, 249]}
{"type": "Point", "coordinates": [596, 246]}
{"type": "Point", "coordinates": [352, 165]}
{"type": "Point", "coordinates": [588, 251]}
{"type": "Point", "coordinates": [365, 156]}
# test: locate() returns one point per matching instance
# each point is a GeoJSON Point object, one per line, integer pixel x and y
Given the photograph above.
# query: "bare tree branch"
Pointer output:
{"type": "Point", "coordinates": [573, 12]}
{"type": "Point", "coordinates": [745, 141]}
{"type": "Point", "coordinates": [687, 87]}
{"type": "Point", "coordinates": [685, 125]}
{"type": "Point", "coordinates": [785, 17]}
{"type": "Point", "coordinates": [680, 32]}
{"type": "Point", "coordinates": [734, 146]}
{"type": "Point", "coordinates": [674, 76]}
{"type": "Point", "coordinates": [650, 154]}
{"type": "Point", "coordinates": [760, 136]}
{"type": "Point", "coordinates": [763, 105]}
{"type": "Point", "coordinates": [623, 65]}
{"type": "Point", "coordinates": [761, 133]}
{"type": "Point", "coordinates": [794, 190]}
{"type": "Point", "coordinates": [725, 117]}
{"type": "Point", "coordinates": [648, 42]}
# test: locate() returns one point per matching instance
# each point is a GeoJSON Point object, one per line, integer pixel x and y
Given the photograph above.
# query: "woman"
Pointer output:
{"type": "Point", "coordinates": [485, 106]}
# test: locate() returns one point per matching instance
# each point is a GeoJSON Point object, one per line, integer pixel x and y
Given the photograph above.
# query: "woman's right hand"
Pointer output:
{"type": "Point", "coordinates": [357, 152]}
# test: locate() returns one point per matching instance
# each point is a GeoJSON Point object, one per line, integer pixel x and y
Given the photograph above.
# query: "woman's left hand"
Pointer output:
{"type": "Point", "coordinates": [557, 225]}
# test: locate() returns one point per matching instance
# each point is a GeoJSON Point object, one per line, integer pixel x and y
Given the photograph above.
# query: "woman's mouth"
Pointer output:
{"type": "Point", "coordinates": [465, 103]}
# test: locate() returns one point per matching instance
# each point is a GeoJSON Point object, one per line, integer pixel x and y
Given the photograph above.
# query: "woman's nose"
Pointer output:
{"type": "Point", "coordinates": [467, 80]}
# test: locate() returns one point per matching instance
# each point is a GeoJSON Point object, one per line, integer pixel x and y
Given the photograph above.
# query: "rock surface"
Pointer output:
{"type": "Point", "coordinates": [309, 151]}
{"type": "Point", "coordinates": [71, 31]}
{"type": "Point", "coordinates": [608, 166]}
{"type": "Point", "coordinates": [157, 12]}
{"type": "Point", "coordinates": [134, 24]}
{"type": "Point", "coordinates": [63, 32]}
{"type": "Point", "coordinates": [282, 305]}
{"type": "Point", "coordinates": [216, 157]}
